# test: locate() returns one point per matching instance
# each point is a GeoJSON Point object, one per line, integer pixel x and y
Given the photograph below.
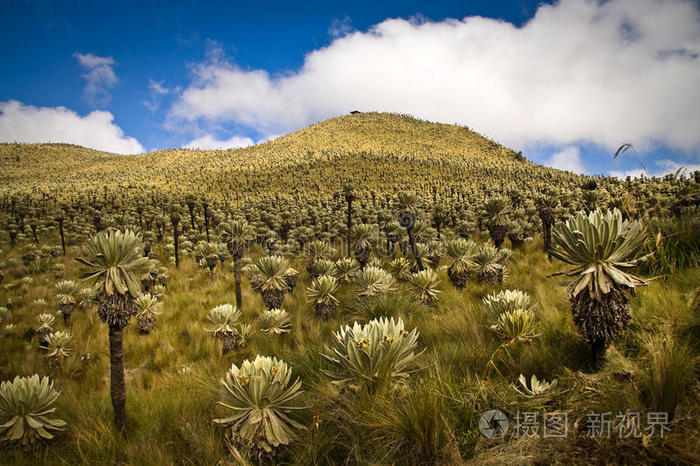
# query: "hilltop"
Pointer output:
{"type": "Point", "coordinates": [368, 148]}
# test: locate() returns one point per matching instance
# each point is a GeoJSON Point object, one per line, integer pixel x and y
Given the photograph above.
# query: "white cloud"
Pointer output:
{"type": "Point", "coordinates": [568, 159]}
{"type": "Point", "coordinates": [99, 78]}
{"type": "Point", "coordinates": [579, 71]}
{"type": "Point", "coordinates": [25, 123]}
{"type": "Point", "coordinates": [156, 91]}
{"type": "Point", "coordinates": [209, 142]}
{"type": "Point", "coordinates": [665, 166]}
{"type": "Point", "coordinates": [340, 27]}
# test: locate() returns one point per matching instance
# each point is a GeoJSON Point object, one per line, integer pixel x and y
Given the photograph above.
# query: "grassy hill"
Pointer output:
{"type": "Point", "coordinates": [373, 149]}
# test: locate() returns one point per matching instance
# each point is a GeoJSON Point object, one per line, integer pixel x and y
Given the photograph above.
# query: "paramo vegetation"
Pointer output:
{"type": "Point", "coordinates": [360, 291]}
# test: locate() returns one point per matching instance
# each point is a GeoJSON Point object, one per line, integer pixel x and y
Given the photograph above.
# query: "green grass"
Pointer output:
{"type": "Point", "coordinates": [172, 374]}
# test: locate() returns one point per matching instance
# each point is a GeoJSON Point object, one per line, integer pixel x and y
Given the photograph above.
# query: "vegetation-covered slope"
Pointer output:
{"type": "Point", "coordinates": [332, 152]}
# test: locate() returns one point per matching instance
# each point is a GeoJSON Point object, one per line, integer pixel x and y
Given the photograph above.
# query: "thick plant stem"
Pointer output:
{"type": "Point", "coordinates": [237, 280]}
{"type": "Point", "coordinates": [547, 237]}
{"type": "Point", "coordinates": [117, 386]}
{"type": "Point", "coordinates": [349, 227]}
{"type": "Point", "coordinates": [414, 248]}
{"type": "Point", "coordinates": [598, 350]}
{"type": "Point", "coordinates": [63, 241]}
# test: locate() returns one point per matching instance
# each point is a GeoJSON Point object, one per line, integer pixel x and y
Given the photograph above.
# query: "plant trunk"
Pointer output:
{"type": "Point", "coordinates": [598, 350]}
{"type": "Point", "coordinates": [237, 280]}
{"type": "Point", "coordinates": [66, 311]}
{"type": "Point", "coordinates": [547, 236]}
{"type": "Point", "coordinates": [349, 227]}
{"type": "Point", "coordinates": [206, 220]}
{"type": "Point", "coordinates": [414, 248]}
{"type": "Point", "coordinates": [63, 241]}
{"type": "Point", "coordinates": [175, 238]}
{"type": "Point", "coordinates": [117, 388]}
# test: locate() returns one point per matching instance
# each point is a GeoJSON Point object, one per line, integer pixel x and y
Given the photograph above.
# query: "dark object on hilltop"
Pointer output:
{"type": "Point", "coordinates": [355, 112]}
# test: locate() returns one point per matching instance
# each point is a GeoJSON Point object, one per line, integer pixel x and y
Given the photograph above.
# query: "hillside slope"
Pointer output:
{"type": "Point", "coordinates": [362, 149]}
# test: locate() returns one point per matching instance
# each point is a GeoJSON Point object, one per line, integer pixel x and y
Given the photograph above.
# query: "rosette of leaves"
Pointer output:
{"type": "Point", "coordinates": [363, 241]}
{"type": "Point", "coordinates": [435, 251]}
{"type": "Point", "coordinates": [536, 387]}
{"type": "Point", "coordinates": [45, 327]}
{"type": "Point", "coordinates": [373, 281]}
{"type": "Point", "coordinates": [495, 212]}
{"type": "Point", "coordinates": [86, 297]}
{"type": "Point", "coordinates": [346, 269]}
{"type": "Point", "coordinates": [461, 253]}
{"type": "Point", "coordinates": [318, 250]}
{"type": "Point", "coordinates": [371, 356]}
{"type": "Point", "coordinates": [322, 267]}
{"type": "Point", "coordinates": [224, 318]}
{"type": "Point", "coordinates": [271, 277]}
{"type": "Point", "coordinates": [66, 294]}
{"type": "Point", "coordinates": [321, 294]}
{"type": "Point", "coordinates": [425, 286]}
{"type": "Point", "coordinates": [516, 326]}
{"type": "Point", "coordinates": [507, 301]}
{"type": "Point", "coordinates": [401, 269]}
{"type": "Point", "coordinates": [27, 407]}
{"type": "Point", "coordinates": [260, 398]}
{"type": "Point", "coordinates": [147, 310]}
{"type": "Point", "coordinates": [517, 231]}
{"type": "Point", "coordinates": [491, 263]}
{"type": "Point", "coordinates": [58, 346]}
{"type": "Point", "coordinates": [275, 321]}
{"type": "Point", "coordinates": [159, 291]}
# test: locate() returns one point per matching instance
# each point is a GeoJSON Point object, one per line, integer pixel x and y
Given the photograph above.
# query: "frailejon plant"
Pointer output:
{"type": "Point", "coordinates": [491, 264]}
{"type": "Point", "coordinates": [322, 267]}
{"type": "Point", "coordinates": [224, 318]}
{"type": "Point", "coordinates": [58, 346]}
{"type": "Point", "coordinates": [114, 263]}
{"type": "Point", "coordinates": [66, 294]}
{"type": "Point", "coordinates": [45, 327]}
{"type": "Point", "coordinates": [461, 252]}
{"type": "Point", "coordinates": [272, 277]}
{"type": "Point", "coordinates": [401, 269]}
{"type": "Point", "coordinates": [321, 294]}
{"type": "Point", "coordinates": [600, 245]}
{"type": "Point", "coordinates": [275, 321]}
{"type": "Point", "coordinates": [516, 326]}
{"type": "Point", "coordinates": [536, 387]}
{"type": "Point", "coordinates": [425, 286]}
{"type": "Point", "coordinates": [260, 397]}
{"type": "Point", "coordinates": [27, 407]}
{"type": "Point", "coordinates": [372, 356]}
{"type": "Point", "coordinates": [373, 281]}
{"type": "Point", "coordinates": [507, 301]}
{"type": "Point", "coordinates": [346, 269]}
{"type": "Point", "coordinates": [513, 321]}
{"type": "Point", "coordinates": [147, 309]}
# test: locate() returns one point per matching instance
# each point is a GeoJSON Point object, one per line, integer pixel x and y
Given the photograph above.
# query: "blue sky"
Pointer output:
{"type": "Point", "coordinates": [564, 82]}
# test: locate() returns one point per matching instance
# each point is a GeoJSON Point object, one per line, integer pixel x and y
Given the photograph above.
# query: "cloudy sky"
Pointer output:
{"type": "Point", "coordinates": [566, 82]}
